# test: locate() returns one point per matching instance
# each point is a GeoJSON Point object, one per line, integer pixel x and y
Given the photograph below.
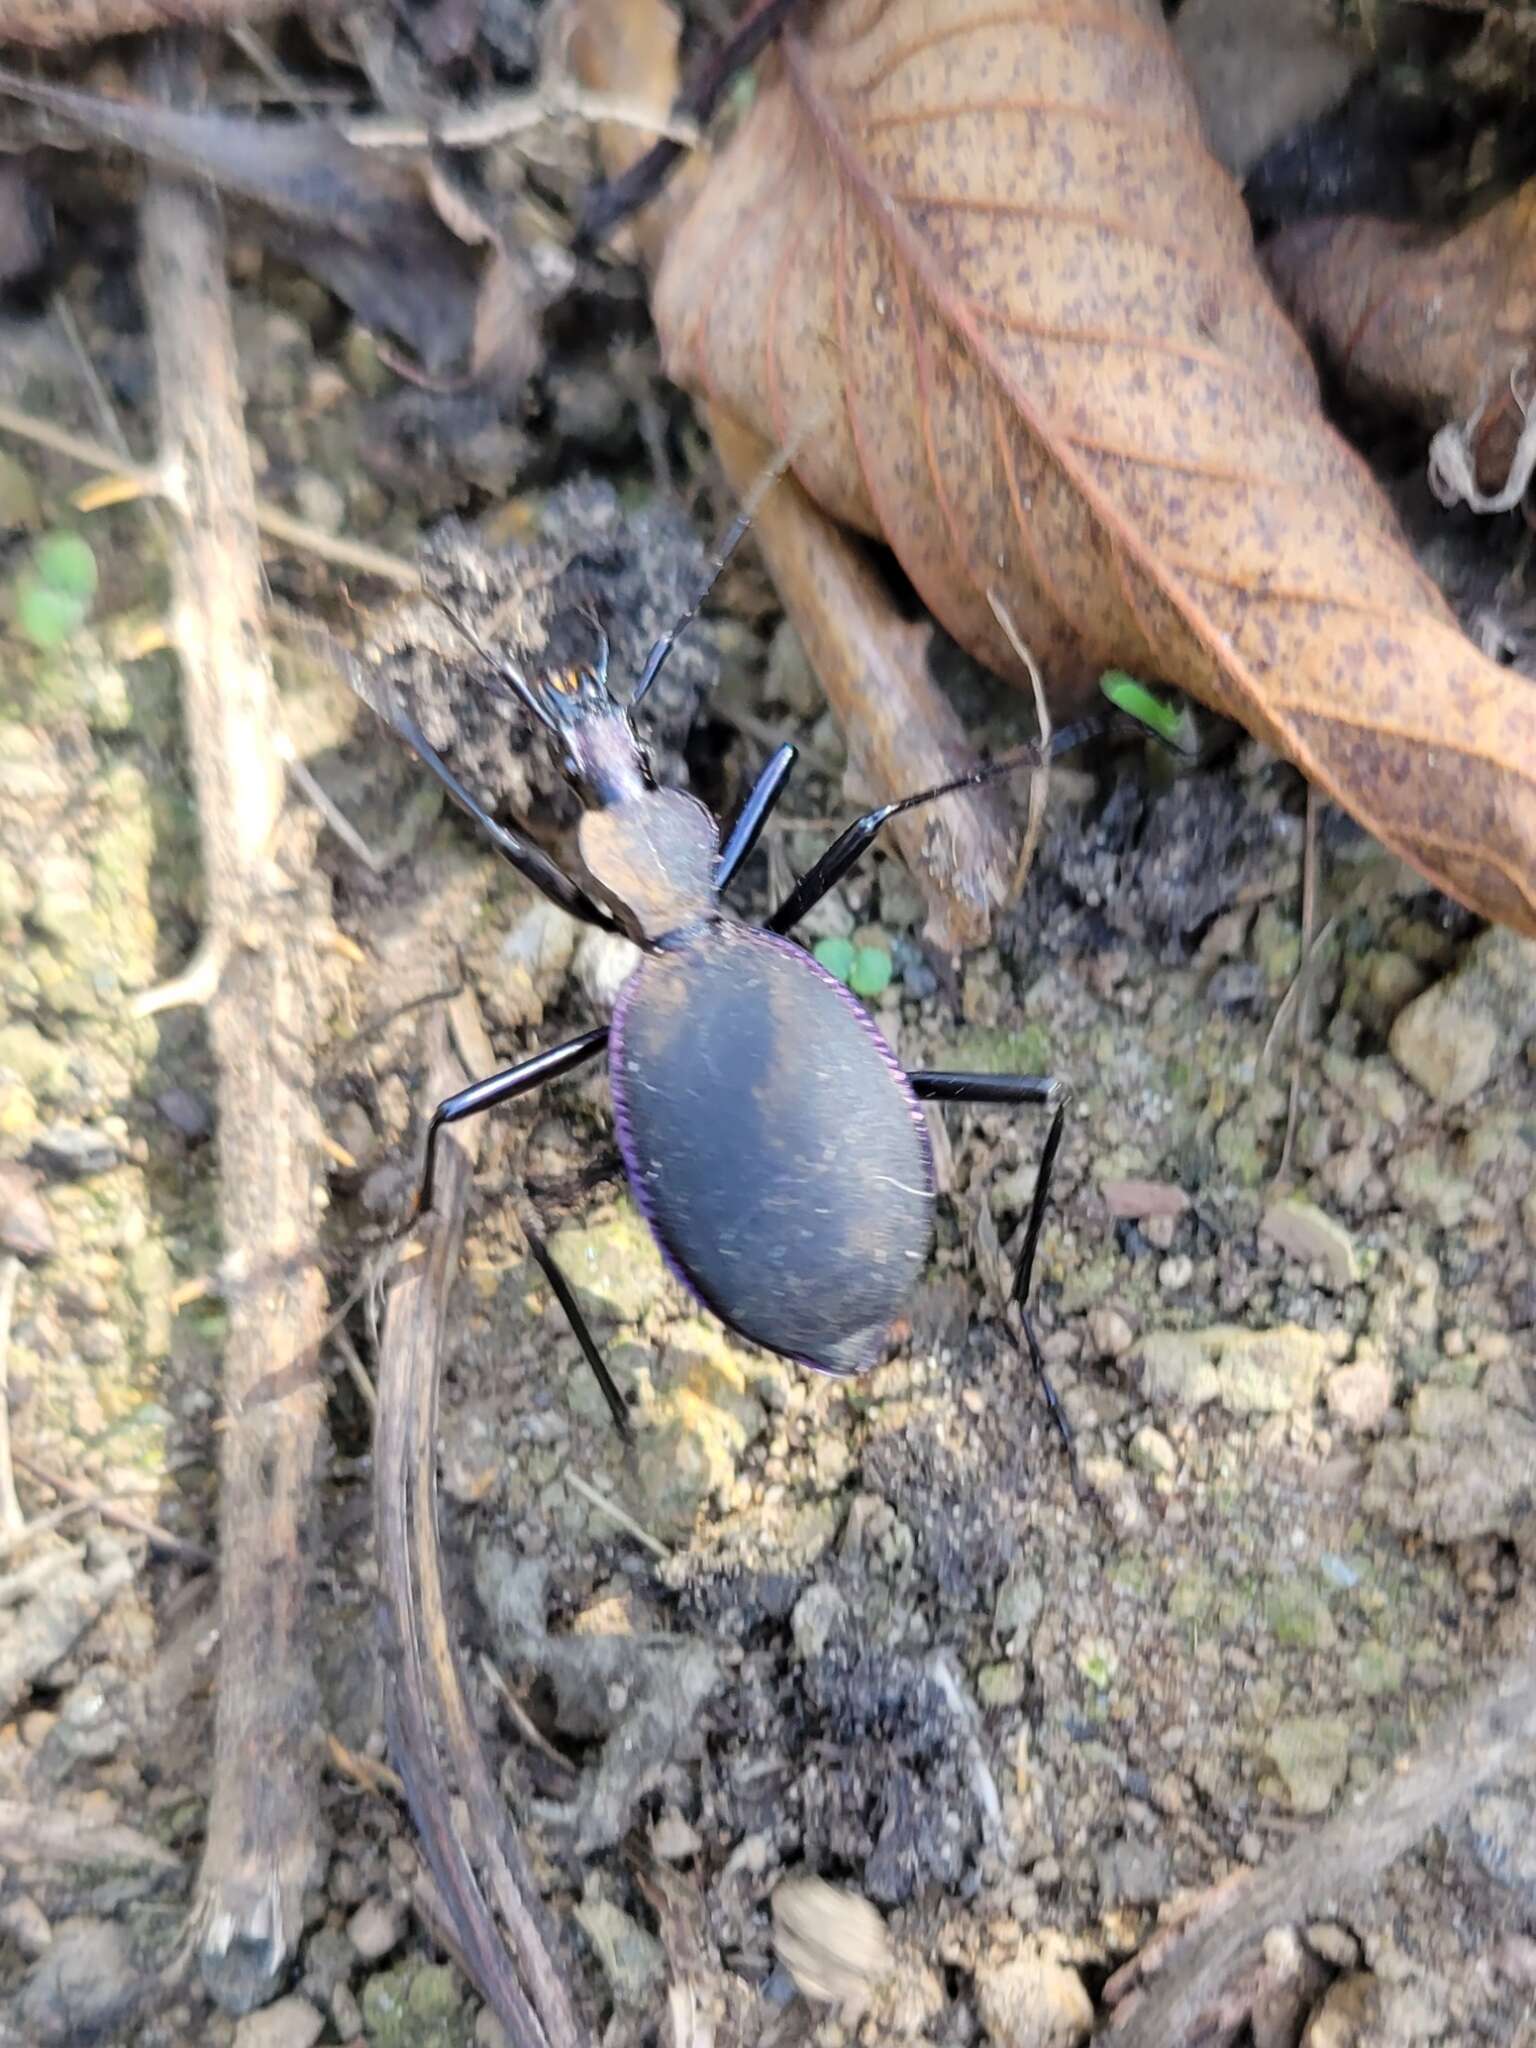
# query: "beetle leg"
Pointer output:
{"type": "Point", "coordinates": [1047, 1094]}
{"type": "Point", "coordinates": [491, 1093]}
{"type": "Point", "coordinates": [506, 1086]}
{"type": "Point", "coordinates": [747, 825]}
{"type": "Point", "coordinates": [578, 1322]}
{"type": "Point", "coordinates": [854, 841]}
{"type": "Point", "coordinates": [531, 861]}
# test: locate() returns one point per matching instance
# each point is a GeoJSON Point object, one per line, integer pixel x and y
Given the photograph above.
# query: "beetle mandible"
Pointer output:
{"type": "Point", "coordinates": [738, 1064]}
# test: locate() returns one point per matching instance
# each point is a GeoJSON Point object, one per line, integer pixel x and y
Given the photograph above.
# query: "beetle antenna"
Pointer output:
{"type": "Point", "coordinates": [500, 667]}
{"type": "Point", "coordinates": [736, 533]}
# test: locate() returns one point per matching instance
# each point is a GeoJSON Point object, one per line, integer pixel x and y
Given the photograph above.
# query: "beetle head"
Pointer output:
{"type": "Point", "coordinates": [600, 750]}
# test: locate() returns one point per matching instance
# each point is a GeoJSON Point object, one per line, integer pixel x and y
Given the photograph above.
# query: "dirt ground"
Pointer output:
{"type": "Point", "coordinates": [868, 1631]}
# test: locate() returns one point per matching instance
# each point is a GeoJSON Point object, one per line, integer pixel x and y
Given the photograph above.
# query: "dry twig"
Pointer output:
{"type": "Point", "coordinates": [426, 1681]}
{"type": "Point", "coordinates": [54, 24]}
{"type": "Point", "coordinates": [84, 1499]}
{"type": "Point", "coordinates": [1487, 1737]}
{"type": "Point", "coordinates": [153, 483]}
{"type": "Point", "coordinates": [263, 1822]}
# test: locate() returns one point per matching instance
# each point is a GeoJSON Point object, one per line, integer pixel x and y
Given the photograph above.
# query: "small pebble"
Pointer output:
{"type": "Point", "coordinates": [73, 1152]}
{"type": "Point", "coordinates": [375, 1928]}
{"type": "Point", "coordinates": [287, 2023]}
{"type": "Point", "coordinates": [1360, 1396]}
{"type": "Point", "coordinates": [1109, 1333]}
{"type": "Point", "coordinates": [1335, 1944]}
{"type": "Point", "coordinates": [1152, 1452]}
{"type": "Point", "coordinates": [25, 1226]}
{"type": "Point", "coordinates": [1175, 1273]}
{"type": "Point", "coordinates": [320, 501]}
{"type": "Point", "coordinates": [1034, 2000]}
{"type": "Point", "coordinates": [1311, 1236]}
{"type": "Point", "coordinates": [188, 1113]}
{"type": "Point", "coordinates": [673, 1840]}
{"type": "Point", "coordinates": [84, 1981]}
{"type": "Point", "coordinates": [831, 1941]}
{"type": "Point", "coordinates": [819, 1612]}
{"type": "Point", "coordinates": [23, 1921]}
{"type": "Point", "coordinates": [604, 961]}
{"type": "Point", "coordinates": [346, 2013]}
{"type": "Point", "coordinates": [1515, 1960]}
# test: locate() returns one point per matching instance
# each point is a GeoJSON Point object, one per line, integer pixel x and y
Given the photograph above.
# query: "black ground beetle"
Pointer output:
{"type": "Point", "coordinates": [775, 1146]}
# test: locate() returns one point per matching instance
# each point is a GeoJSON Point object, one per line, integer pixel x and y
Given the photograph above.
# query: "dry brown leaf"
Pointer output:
{"type": "Point", "coordinates": [1441, 325]}
{"type": "Point", "coordinates": [991, 240]}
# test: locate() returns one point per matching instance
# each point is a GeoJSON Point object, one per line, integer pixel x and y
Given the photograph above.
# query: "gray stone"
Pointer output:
{"type": "Point", "coordinates": [1311, 1753]}
{"type": "Point", "coordinates": [286, 2023]}
{"type": "Point", "coordinates": [832, 1942]}
{"type": "Point", "coordinates": [1455, 1037]}
{"type": "Point", "coordinates": [514, 1592]}
{"type": "Point", "coordinates": [71, 1151]}
{"type": "Point", "coordinates": [819, 1614]}
{"type": "Point", "coordinates": [632, 1960]}
{"type": "Point", "coordinates": [83, 1983]}
{"type": "Point", "coordinates": [376, 1927]}
{"type": "Point", "coordinates": [1501, 1831]}
{"type": "Point", "coordinates": [1133, 1873]}
{"type": "Point", "coordinates": [673, 1840]}
{"type": "Point", "coordinates": [1463, 1471]}
{"type": "Point", "coordinates": [1020, 1600]}
{"type": "Point", "coordinates": [187, 1112]}
{"type": "Point", "coordinates": [1350, 2016]}
{"type": "Point", "coordinates": [1334, 1944]}
{"type": "Point", "coordinates": [23, 1921]}
{"type": "Point", "coordinates": [1109, 1333]}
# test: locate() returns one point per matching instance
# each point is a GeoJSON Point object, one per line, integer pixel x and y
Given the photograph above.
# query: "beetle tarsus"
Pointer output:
{"type": "Point", "coordinates": [1044, 1092]}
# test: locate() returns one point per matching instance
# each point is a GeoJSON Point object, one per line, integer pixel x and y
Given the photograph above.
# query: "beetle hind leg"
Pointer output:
{"type": "Point", "coordinates": [1043, 1092]}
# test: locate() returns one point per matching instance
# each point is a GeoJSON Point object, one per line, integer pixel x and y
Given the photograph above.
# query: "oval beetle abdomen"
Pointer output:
{"type": "Point", "coordinates": [774, 1144]}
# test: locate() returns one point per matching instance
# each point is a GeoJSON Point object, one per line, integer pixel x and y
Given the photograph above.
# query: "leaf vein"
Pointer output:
{"type": "Point", "coordinates": [1035, 210]}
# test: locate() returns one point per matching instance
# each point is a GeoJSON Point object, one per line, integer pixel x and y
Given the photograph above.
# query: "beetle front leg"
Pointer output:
{"type": "Point", "coordinates": [747, 826]}
{"type": "Point", "coordinates": [854, 841]}
{"type": "Point", "coordinates": [1043, 1092]}
{"type": "Point", "coordinates": [530, 861]}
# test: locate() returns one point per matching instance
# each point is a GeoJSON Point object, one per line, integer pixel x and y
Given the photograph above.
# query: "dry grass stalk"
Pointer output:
{"type": "Point", "coordinates": [264, 1018]}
